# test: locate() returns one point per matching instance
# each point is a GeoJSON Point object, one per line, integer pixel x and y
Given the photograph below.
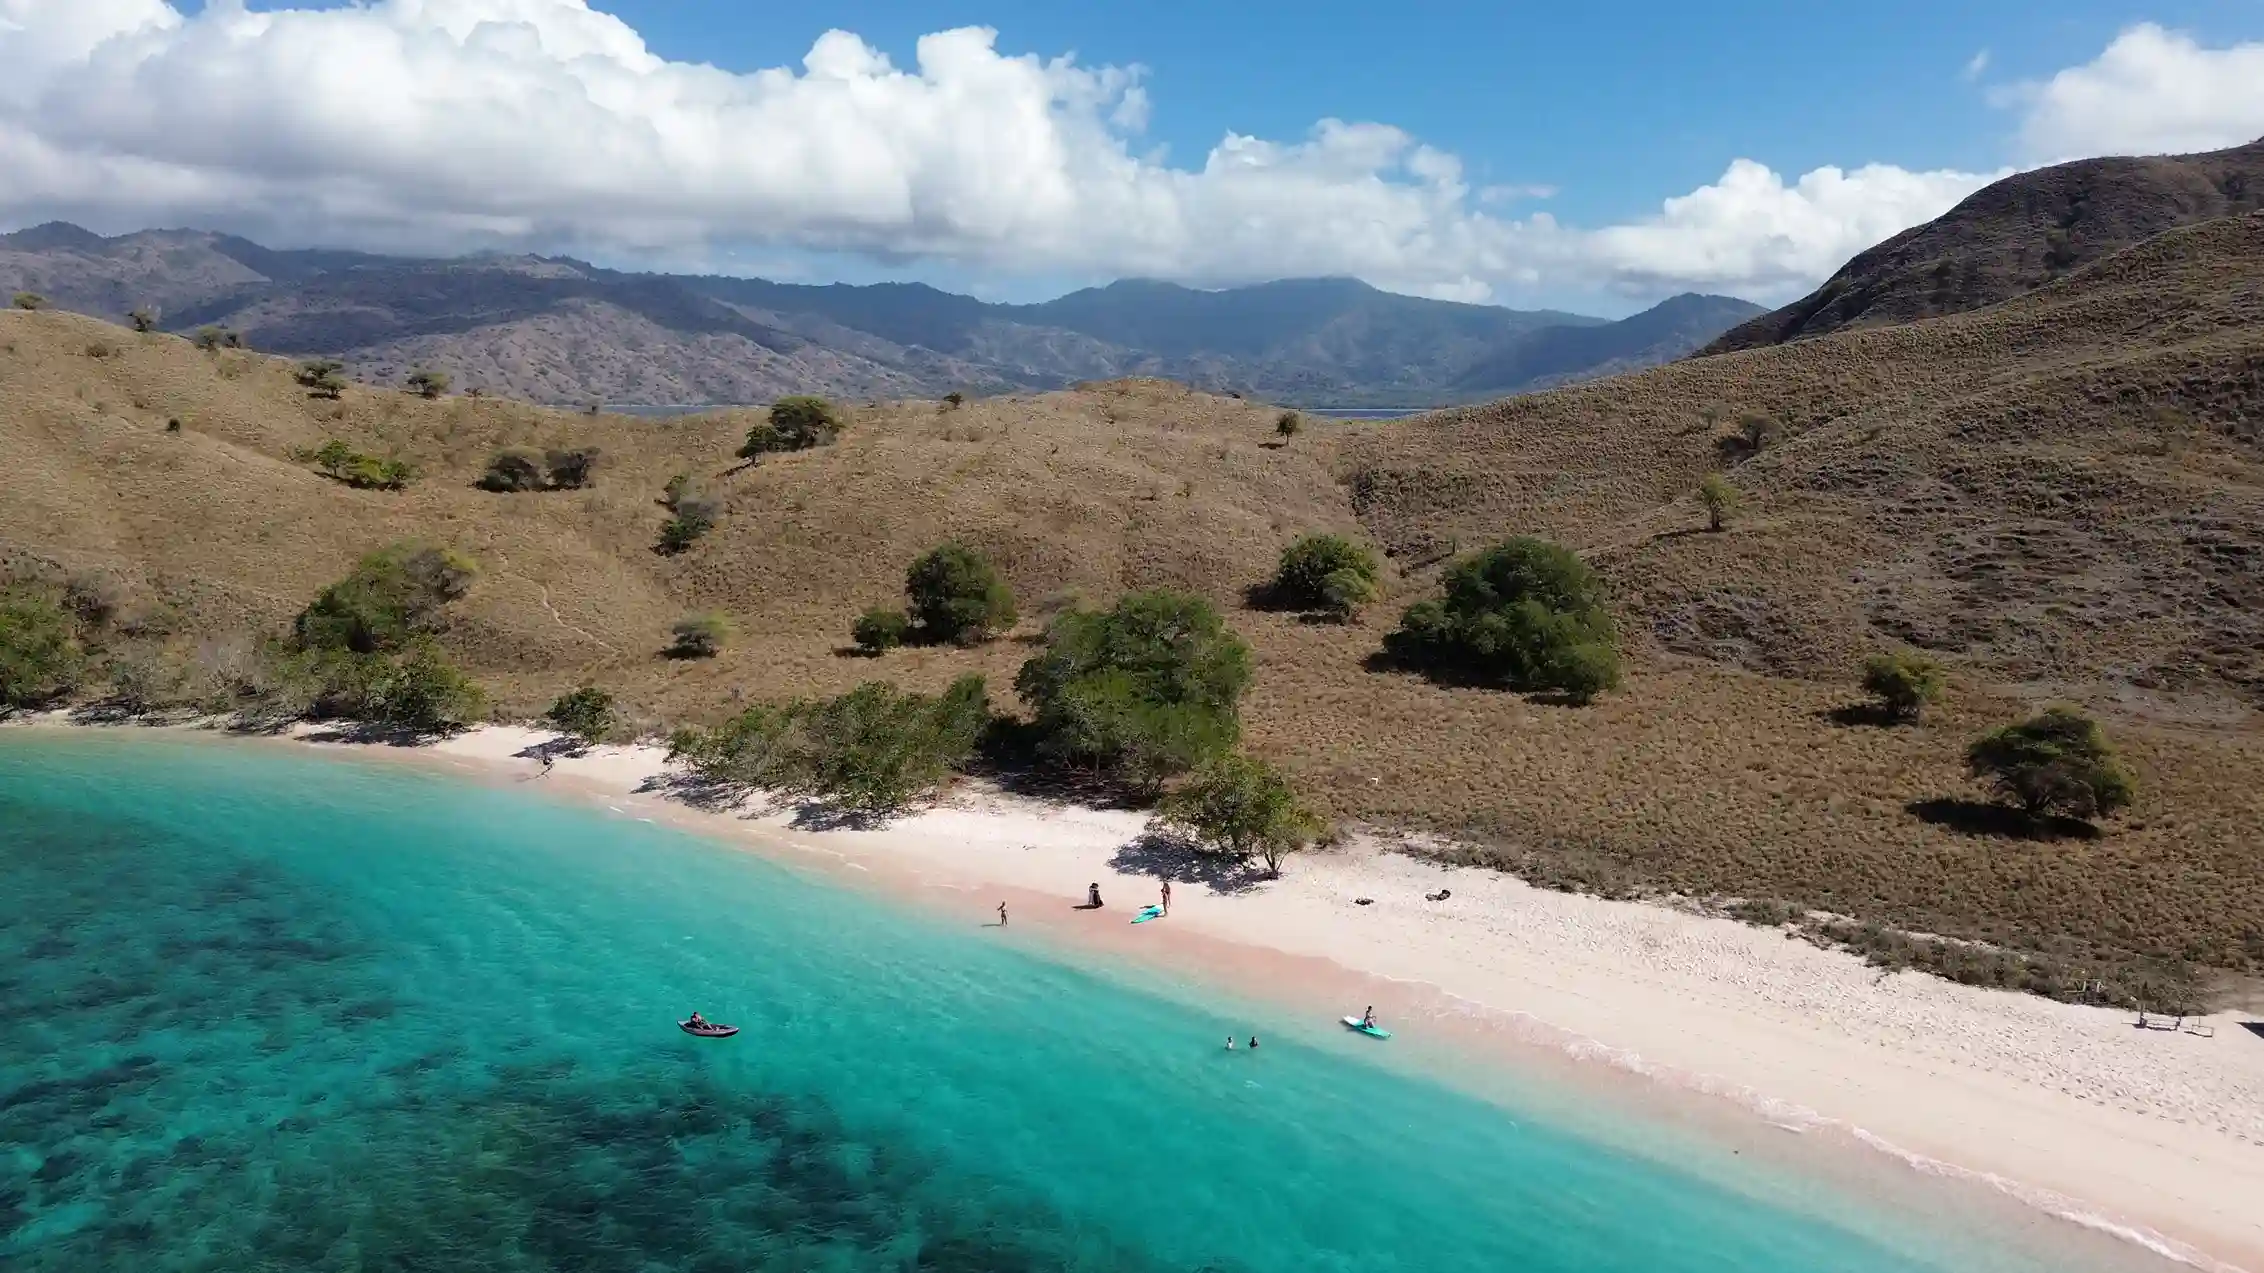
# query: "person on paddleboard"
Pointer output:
{"type": "Point", "coordinates": [1253, 1043]}
{"type": "Point", "coordinates": [1368, 1018]}
{"type": "Point", "coordinates": [1230, 1043]}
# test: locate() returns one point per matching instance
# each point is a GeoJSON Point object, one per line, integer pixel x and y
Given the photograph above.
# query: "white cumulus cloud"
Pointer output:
{"type": "Point", "coordinates": [2152, 92]}
{"type": "Point", "coordinates": [439, 125]}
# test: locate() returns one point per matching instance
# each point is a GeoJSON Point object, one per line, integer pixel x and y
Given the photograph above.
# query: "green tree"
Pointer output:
{"type": "Point", "coordinates": [2056, 762]}
{"type": "Point", "coordinates": [1242, 807]}
{"type": "Point", "coordinates": [571, 468]}
{"type": "Point", "coordinates": [40, 656]}
{"type": "Point", "coordinates": [586, 713]}
{"type": "Point", "coordinates": [1142, 691]}
{"type": "Point", "coordinates": [954, 399]}
{"type": "Point", "coordinates": [1289, 424]}
{"type": "Point", "coordinates": [334, 458]}
{"type": "Point", "coordinates": [422, 692]}
{"type": "Point", "coordinates": [700, 636]}
{"type": "Point", "coordinates": [880, 629]}
{"type": "Point", "coordinates": [427, 383]}
{"type": "Point", "coordinates": [367, 472]}
{"type": "Point", "coordinates": [1526, 614]}
{"type": "Point", "coordinates": [513, 469]}
{"type": "Point", "coordinates": [695, 516]}
{"type": "Point", "coordinates": [209, 339]}
{"type": "Point", "coordinates": [143, 318]}
{"type": "Point", "coordinates": [391, 597]}
{"type": "Point", "coordinates": [795, 424]}
{"type": "Point", "coordinates": [30, 300]}
{"type": "Point", "coordinates": [956, 595]}
{"type": "Point", "coordinates": [1308, 576]}
{"type": "Point", "coordinates": [873, 750]}
{"type": "Point", "coordinates": [1719, 498]}
{"type": "Point", "coordinates": [1905, 682]}
{"type": "Point", "coordinates": [320, 377]}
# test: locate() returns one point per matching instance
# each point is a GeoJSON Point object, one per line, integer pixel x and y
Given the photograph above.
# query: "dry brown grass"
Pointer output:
{"type": "Point", "coordinates": [2063, 494]}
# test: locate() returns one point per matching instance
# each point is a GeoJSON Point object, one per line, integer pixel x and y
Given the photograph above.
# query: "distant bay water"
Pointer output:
{"type": "Point", "coordinates": [263, 1009]}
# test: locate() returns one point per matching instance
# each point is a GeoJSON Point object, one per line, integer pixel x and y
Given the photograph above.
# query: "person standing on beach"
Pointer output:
{"type": "Point", "coordinates": [1002, 914]}
{"type": "Point", "coordinates": [1167, 897]}
{"type": "Point", "coordinates": [1093, 896]}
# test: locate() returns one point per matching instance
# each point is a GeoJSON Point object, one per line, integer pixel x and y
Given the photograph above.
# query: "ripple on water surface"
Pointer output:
{"type": "Point", "coordinates": [275, 1011]}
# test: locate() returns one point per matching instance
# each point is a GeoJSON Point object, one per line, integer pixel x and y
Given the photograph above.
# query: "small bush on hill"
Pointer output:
{"type": "Point", "coordinates": [363, 472]}
{"type": "Point", "coordinates": [427, 383]}
{"type": "Point", "coordinates": [1905, 682]}
{"type": "Point", "coordinates": [880, 629]}
{"type": "Point", "coordinates": [872, 750]}
{"type": "Point", "coordinates": [571, 469]}
{"type": "Point", "coordinates": [1719, 499]}
{"type": "Point", "coordinates": [954, 399]}
{"type": "Point", "coordinates": [795, 424]}
{"type": "Point", "coordinates": [41, 659]}
{"type": "Point", "coordinates": [30, 300]}
{"type": "Point", "coordinates": [586, 713]}
{"type": "Point", "coordinates": [1242, 807]}
{"type": "Point", "coordinates": [321, 379]}
{"type": "Point", "coordinates": [392, 597]}
{"type": "Point", "coordinates": [1289, 425]}
{"type": "Point", "coordinates": [513, 469]}
{"type": "Point", "coordinates": [699, 636]}
{"type": "Point", "coordinates": [1139, 692]}
{"type": "Point", "coordinates": [143, 319]}
{"type": "Point", "coordinates": [956, 595]}
{"type": "Point", "coordinates": [209, 339]}
{"type": "Point", "coordinates": [2058, 762]}
{"type": "Point", "coordinates": [1326, 572]}
{"type": "Point", "coordinates": [695, 516]}
{"type": "Point", "coordinates": [1526, 614]}
{"type": "Point", "coordinates": [677, 487]}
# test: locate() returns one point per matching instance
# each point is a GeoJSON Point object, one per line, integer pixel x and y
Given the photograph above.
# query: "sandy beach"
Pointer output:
{"type": "Point", "coordinates": [2154, 1134]}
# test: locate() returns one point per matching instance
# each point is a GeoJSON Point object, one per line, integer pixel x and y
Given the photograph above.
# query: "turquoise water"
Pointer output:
{"type": "Point", "coordinates": [264, 1010]}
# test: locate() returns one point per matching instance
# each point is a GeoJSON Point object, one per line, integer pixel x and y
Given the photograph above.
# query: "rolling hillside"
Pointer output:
{"type": "Point", "coordinates": [2062, 495]}
{"type": "Point", "coordinates": [566, 332]}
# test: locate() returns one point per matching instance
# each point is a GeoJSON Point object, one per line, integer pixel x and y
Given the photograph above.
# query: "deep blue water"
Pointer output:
{"type": "Point", "coordinates": [262, 1009]}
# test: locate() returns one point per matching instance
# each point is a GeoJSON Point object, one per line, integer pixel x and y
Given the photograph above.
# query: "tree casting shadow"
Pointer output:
{"type": "Point", "coordinates": [1974, 817]}
{"type": "Point", "coordinates": [366, 733]}
{"type": "Point", "coordinates": [1175, 858]}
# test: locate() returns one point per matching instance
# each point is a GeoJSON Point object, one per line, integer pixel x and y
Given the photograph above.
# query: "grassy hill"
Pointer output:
{"type": "Point", "coordinates": [2061, 495]}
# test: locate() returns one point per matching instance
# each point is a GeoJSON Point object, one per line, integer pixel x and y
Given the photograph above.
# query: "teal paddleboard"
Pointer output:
{"type": "Point", "coordinates": [1372, 1031]}
{"type": "Point", "coordinates": [1147, 913]}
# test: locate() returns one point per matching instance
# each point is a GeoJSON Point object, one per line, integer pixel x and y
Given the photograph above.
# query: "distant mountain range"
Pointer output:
{"type": "Point", "coordinates": [557, 330]}
{"type": "Point", "coordinates": [2015, 235]}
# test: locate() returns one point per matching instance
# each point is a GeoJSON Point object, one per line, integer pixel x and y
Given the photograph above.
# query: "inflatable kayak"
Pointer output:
{"type": "Point", "coordinates": [708, 1030]}
{"type": "Point", "coordinates": [1372, 1031]}
{"type": "Point", "coordinates": [1147, 913]}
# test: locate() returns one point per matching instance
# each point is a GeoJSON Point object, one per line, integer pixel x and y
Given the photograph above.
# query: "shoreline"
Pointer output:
{"type": "Point", "coordinates": [2153, 1138]}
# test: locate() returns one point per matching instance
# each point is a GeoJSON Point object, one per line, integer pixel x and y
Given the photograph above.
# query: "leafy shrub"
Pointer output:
{"type": "Point", "coordinates": [427, 383]}
{"type": "Point", "coordinates": [513, 469]}
{"type": "Point", "coordinates": [30, 300]}
{"type": "Point", "coordinates": [880, 629]}
{"type": "Point", "coordinates": [209, 339]}
{"type": "Point", "coordinates": [699, 636]}
{"type": "Point", "coordinates": [695, 516]}
{"type": "Point", "coordinates": [1139, 692]}
{"type": "Point", "coordinates": [956, 595]}
{"type": "Point", "coordinates": [421, 692]}
{"type": "Point", "coordinates": [392, 597]}
{"type": "Point", "coordinates": [1527, 614]}
{"type": "Point", "coordinates": [2056, 762]}
{"type": "Point", "coordinates": [1242, 807]}
{"type": "Point", "coordinates": [1289, 424]}
{"type": "Point", "coordinates": [795, 424]}
{"type": "Point", "coordinates": [364, 472]}
{"type": "Point", "coordinates": [955, 399]}
{"type": "Point", "coordinates": [1719, 498]}
{"type": "Point", "coordinates": [1905, 682]}
{"type": "Point", "coordinates": [1309, 575]}
{"type": "Point", "coordinates": [571, 469]}
{"type": "Point", "coordinates": [40, 656]}
{"type": "Point", "coordinates": [143, 319]}
{"type": "Point", "coordinates": [872, 750]}
{"type": "Point", "coordinates": [321, 379]}
{"type": "Point", "coordinates": [586, 713]}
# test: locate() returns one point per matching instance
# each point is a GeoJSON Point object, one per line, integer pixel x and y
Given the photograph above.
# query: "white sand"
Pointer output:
{"type": "Point", "coordinates": [2161, 1132]}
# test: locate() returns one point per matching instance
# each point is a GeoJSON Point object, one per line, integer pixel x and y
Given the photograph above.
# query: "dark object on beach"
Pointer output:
{"type": "Point", "coordinates": [1363, 901]}
{"type": "Point", "coordinates": [1092, 897]}
{"type": "Point", "coordinates": [1439, 896]}
{"type": "Point", "coordinates": [707, 1029]}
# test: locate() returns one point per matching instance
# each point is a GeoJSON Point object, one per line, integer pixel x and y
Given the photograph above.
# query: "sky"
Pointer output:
{"type": "Point", "coordinates": [1595, 157]}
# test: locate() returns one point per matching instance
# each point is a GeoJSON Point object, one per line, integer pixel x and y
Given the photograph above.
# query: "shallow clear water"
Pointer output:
{"type": "Point", "coordinates": [262, 1009]}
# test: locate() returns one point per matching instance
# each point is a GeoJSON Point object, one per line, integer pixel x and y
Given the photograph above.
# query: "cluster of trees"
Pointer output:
{"type": "Point", "coordinates": [322, 378]}
{"type": "Point", "coordinates": [343, 463]}
{"type": "Point", "coordinates": [427, 383]}
{"type": "Point", "coordinates": [1326, 574]}
{"type": "Point", "coordinates": [872, 750]}
{"type": "Point", "coordinates": [365, 650]}
{"type": "Point", "coordinates": [41, 654]}
{"type": "Point", "coordinates": [209, 339]}
{"type": "Point", "coordinates": [522, 468]}
{"type": "Point", "coordinates": [1525, 614]}
{"type": "Point", "coordinates": [953, 595]}
{"type": "Point", "coordinates": [795, 424]}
